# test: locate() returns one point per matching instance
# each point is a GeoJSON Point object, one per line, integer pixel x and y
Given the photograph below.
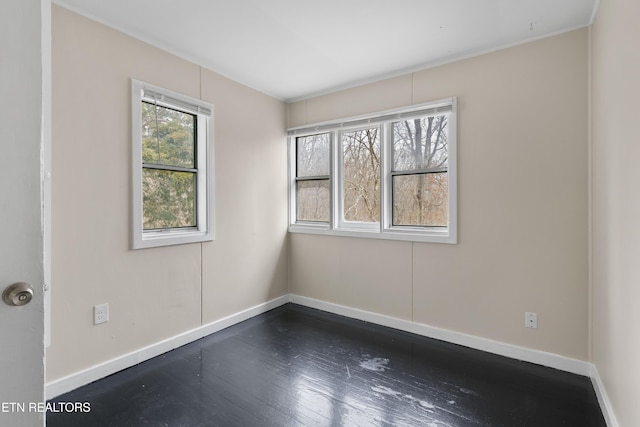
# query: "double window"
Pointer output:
{"type": "Point", "coordinates": [172, 168]}
{"type": "Point", "coordinates": [388, 175]}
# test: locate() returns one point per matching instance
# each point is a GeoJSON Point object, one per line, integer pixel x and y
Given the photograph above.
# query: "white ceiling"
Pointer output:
{"type": "Point", "coordinates": [293, 49]}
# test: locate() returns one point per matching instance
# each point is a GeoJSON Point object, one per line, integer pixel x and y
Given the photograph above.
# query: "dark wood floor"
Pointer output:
{"type": "Point", "coordinates": [295, 366]}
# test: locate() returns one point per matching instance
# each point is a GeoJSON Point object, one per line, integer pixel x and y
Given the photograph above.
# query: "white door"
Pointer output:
{"type": "Point", "coordinates": [22, 97]}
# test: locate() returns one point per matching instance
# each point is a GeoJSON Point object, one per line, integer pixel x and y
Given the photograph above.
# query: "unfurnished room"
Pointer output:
{"type": "Point", "coordinates": [320, 213]}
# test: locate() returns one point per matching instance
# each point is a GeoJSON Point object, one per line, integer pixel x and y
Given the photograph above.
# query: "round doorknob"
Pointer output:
{"type": "Point", "coordinates": [18, 294]}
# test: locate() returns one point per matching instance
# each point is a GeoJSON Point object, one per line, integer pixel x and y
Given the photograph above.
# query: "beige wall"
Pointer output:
{"type": "Point", "coordinates": [155, 293]}
{"type": "Point", "coordinates": [247, 264]}
{"type": "Point", "coordinates": [522, 196]}
{"type": "Point", "coordinates": [615, 66]}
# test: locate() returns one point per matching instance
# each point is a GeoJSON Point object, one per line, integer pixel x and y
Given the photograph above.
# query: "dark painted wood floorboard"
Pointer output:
{"type": "Point", "coordinates": [295, 366]}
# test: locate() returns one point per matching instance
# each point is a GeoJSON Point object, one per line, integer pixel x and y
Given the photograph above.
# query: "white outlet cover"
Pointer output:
{"type": "Point", "coordinates": [100, 313]}
{"type": "Point", "coordinates": [531, 320]}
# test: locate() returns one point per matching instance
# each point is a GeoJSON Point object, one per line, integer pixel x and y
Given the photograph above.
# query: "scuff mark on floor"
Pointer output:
{"type": "Point", "coordinates": [387, 391]}
{"type": "Point", "coordinates": [467, 391]}
{"type": "Point", "coordinates": [380, 389]}
{"type": "Point", "coordinates": [377, 364]}
{"type": "Point", "coordinates": [426, 405]}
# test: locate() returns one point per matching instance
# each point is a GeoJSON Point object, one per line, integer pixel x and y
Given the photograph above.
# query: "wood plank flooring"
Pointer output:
{"type": "Point", "coordinates": [296, 366]}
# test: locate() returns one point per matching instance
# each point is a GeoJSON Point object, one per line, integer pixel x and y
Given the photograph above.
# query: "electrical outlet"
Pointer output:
{"type": "Point", "coordinates": [531, 320]}
{"type": "Point", "coordinates": [101, 313]}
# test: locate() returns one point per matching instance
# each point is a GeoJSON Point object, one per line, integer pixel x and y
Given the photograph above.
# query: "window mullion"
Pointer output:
{"type": "Point", "coordinates": [336, 181]}
{"type": "Point", "coordinates": [385, 155]}
{"type": "Point", "coordinates": [340, 180]}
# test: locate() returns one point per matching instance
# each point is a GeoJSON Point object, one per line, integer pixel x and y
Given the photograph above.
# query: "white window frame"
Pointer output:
{"type": "Point", "coordinates": [342, 223]}
{"type": "Point", "coordinates": [385, 228]}
{"type": "Point", "coordinates": [203, 111]}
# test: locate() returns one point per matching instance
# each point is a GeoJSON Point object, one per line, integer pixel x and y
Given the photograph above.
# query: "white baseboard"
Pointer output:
{"type": "Point", "coordinates": [551, 360]}
{"type": "Point", "coordinates": [603, 398]}
{"type": "Point", "coordinates": [515, 352]}
{"type": "Point", "coordinates": [78, 379]}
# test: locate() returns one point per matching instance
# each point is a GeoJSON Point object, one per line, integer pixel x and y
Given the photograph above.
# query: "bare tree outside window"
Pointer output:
{"type": "Point", "coordinates": [361, 175]}
{"type": "Point", "coordinates": [419, 172]}
{"type": "Point", "coordinates": [312, 178]}
{"type": "Point", "coordinates": [389, 175]}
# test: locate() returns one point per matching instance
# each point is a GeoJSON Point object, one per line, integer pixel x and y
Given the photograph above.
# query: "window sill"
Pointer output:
{"type": "Point", "coordinates": [411, 235]}
{"type": "Point", "coordinates": [154, 240]}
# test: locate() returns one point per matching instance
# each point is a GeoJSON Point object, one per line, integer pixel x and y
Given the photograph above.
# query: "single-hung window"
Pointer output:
{"type": "Point", "coordinates": [419, 171]}
{"type": "Point", "coordinates": [312, 178]}
{"type": "Point", "coordinates": [172, 168]}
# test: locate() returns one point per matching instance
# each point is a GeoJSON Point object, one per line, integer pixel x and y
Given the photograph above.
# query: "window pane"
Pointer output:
{"type": "Point", "coordinates": [168, 136]}
{"type": "Point", "coordinates": [420, 143]}
{"type": "Point", "coordinates": [420, 199]}
{"type": "Point", "coordinates": [361, 168]}
{"type": "Point", "coordinates": [168, 199]}
{"type": "Point", "coordinates": [312, 155]}
{"type": "Point", "coordinates": [312, 200]}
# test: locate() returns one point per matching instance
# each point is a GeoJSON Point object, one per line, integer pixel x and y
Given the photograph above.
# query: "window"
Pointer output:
{"type": "Point", "coordinates": [419, 171]}
{"type": "Point", "coordinates": [172, 168]}
{"type": "Point", "coordinates": [389, 175]}
{"type": "Point", "coordinates": [312, 178]}
{"type": "Point", "coordinates": [360, 167]}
